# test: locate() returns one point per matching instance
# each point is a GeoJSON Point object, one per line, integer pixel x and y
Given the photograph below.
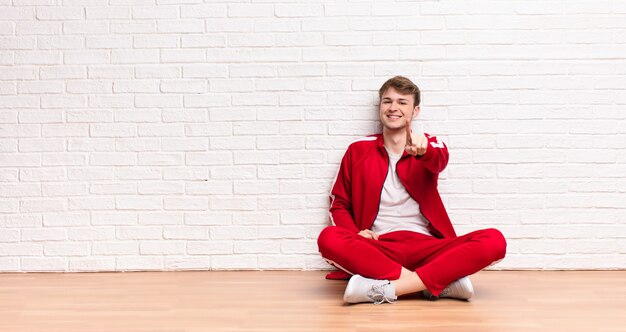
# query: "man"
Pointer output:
{"type": "Point", "coordinates": [390, 229]}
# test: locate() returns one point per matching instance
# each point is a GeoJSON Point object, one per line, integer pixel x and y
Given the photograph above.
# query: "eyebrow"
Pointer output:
{"type": "Point", "coordinates": [403, 99]}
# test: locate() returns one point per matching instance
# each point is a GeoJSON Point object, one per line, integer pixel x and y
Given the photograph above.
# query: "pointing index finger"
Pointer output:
{"type": "Point", "coordinates": [409, 141]}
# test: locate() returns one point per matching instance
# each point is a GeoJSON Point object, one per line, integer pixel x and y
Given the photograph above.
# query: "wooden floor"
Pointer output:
{"type": "Point", "coordinates": [303, 301]}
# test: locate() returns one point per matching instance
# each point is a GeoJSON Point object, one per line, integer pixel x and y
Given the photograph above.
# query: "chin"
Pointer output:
{"type": "Point", "coordinates": [394, 127]}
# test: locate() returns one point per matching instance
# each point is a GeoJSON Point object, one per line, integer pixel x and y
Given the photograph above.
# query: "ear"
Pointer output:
{"type": "Point", "coordinates": [416, 111]}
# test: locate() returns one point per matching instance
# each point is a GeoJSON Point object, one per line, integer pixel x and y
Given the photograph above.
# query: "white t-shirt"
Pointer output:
{"type": "Point", "coordinates": [397, 210]}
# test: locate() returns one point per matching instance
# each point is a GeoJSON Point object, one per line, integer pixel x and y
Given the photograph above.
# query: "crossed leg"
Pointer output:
{"type": "Point", "coordinates": [412, 261]}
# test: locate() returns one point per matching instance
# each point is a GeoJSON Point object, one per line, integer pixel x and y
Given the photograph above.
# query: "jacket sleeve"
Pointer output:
{"type": "Point", "coordinates": [341, 197]}
{"type": "Point", "coordinates": [436, 157]}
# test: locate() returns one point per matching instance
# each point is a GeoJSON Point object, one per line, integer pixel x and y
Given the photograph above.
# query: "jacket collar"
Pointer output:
{"type": "Point", "coordinates": [380, 142]}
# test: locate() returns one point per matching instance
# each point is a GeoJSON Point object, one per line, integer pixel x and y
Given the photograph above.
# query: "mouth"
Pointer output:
{"type": "Point", "coordinates": [393, 116]}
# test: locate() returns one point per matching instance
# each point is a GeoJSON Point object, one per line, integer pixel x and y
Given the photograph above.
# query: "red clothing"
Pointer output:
{"type": "Point", "coordinates": [355, 196]}
{"type": "Point", "coordinates": [437, 262]}
{"type": "Point", "coordinates": [355, 199]}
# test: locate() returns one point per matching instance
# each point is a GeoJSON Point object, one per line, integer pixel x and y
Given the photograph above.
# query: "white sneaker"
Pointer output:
{"type": "Point", "coordinates": [362, 289]}
{"type": "Point", "coordinates": [461, 289]}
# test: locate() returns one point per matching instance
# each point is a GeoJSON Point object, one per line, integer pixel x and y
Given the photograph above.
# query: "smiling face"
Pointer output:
{"type": "Point", "coordinates": [396, 108]}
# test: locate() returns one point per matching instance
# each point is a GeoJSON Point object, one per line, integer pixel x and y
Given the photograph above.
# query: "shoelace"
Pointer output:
{"type": "Point", "coordinates": [444, 292]}
{"type": "Point", "coordinates": [377, 294]}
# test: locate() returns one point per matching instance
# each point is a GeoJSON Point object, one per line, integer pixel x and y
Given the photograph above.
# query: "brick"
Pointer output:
{"type": "Point", "coordinates": [154, 42]}
{"type": "Point", "coordinates": [138, 173]}
{"type": "Point", "coordinates": [263, 114]}
{"type": "Point", "coordinates": [161, 130]}
{"type": "Point", "coordinates": [180, 26]}
{"type": "Point", "coordinates": [86, 57]}
{"type": "Point", "coordinates": [281, 262]}
{"type": "Point", "coordinates": [301, 187]}
{"type": "Point", "coordinates": [210, 248]}
{"type": "Point", "coordinates": [165, 101]}
{"type": "Point", "coordinates": [256, 157]}
{"type": "Point", "coordinates": [233, 232]}
{"type": "Point", "coordinates": [139, 263]}
{"type": "Point", "coordinates": [19, 102]}
{"type": "Point", "coordinates": [209, 158]}
{"type": "Point", "coordinates": [229, 262]}
{"type": "Point", "coordinates": [154, 12]}
{"type": "Point", "coordinates": [48, 264]}
{"type": "Point", "coordinates": [91, 264]}
{"type": "Point", "coordinates": [298, 40]}
{"type": "Point", "coordinates": [282, 202]}
{"type": "Point", "coordinates": [117, 72]}
{"type": "Point", "coordinates": [183, 56]}
{"type": "Point", "coordinates": [133, 28]}
{"type": "Point", "coordinates": [282, 232]}
{"type": "Point", "coordinates": [203, 11]}
{"type": "Point", "coordinates": [66, 249]}
{"type": "Point", "coordinates": [162, 248]}
{"type": "Point", "coordinates": [212, 187]}
{"type": "Point", "coordinates": [302, 157]}
{"type": "Point", "coordinates": [161, 218]}
{"type": "Point", "coordinates": [42, 174]}
{"type": "Point", "coordinates": [9, 264]}
{"type": "Point", "coordinates": [109, 42]}
{"type": "Point", "coordinates": [139, 203]}
{"type": "Point", "coordinates": [79, 173]}
{"type": "Point", "coordinates": [256, 247]}
{"type": "Point", "coordinates": [188, 203]}
{"type": "Point", "coordinates": [124, 115]}
{"type": "Point", "coordinates": [8, 145]}
{"type": "Point", "coordinates": [137, 144]}
{"type": "Point", "coordinates": [186, 263]}
{"type": "Point", "coordinates": [91, 203]}
{"type": "Point", "coordinates": [19, 131]}
{"type": "Point", "coordinates": [228, 143]}
{"type": "Point", "coordinates": [208, 218]}
{"type": "Point", "coordinates": [134, 56]}
{"type": "Point", "coordinates": [139, 233]}
{"type": "Point", "coordinates": [184, 144]}
{"type": "Point", "coordinates": [156, 71]}
{"type": "Point", "coordinates": [255, 128]}
{"type": "Point", "coordinates": [186, 173]}
{"type": "Point", "coordinates": [59, 13]}
{"type": "Point", "coordinates": [208, 129]}
{"type": "Point", "coordinates": [11, 235]}
{"type": "Point", "coordinates": [156, 188]}
{"type": "Point", "coordinates": [113, 188]}
{"type": "Point", "coordinates": [256, 187]}
{"type": "Point", "coordinates": [242, 204]}
{"type": "Point", "coordinates": [63, 189]}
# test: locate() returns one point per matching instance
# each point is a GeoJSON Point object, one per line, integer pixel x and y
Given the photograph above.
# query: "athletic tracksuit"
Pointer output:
{"type": "Point", "coordinates": [438, 258]}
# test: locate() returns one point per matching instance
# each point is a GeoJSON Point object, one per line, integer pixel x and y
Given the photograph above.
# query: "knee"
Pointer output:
{"type": "Point", "coordinates": [329, 240]}
{"type": "Point", "coordinates": [496, 243]}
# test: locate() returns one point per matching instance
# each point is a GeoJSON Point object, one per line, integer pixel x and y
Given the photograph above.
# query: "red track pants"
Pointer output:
{"type": "Point", "coordinates": [438, 262]}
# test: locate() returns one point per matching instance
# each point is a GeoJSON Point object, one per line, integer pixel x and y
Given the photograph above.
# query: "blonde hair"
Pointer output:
{"type": "Point", "coordinates": [402, 85]}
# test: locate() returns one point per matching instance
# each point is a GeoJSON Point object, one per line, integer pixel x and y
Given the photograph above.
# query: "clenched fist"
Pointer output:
{"type": "Point", "coordinates": [416, 144]}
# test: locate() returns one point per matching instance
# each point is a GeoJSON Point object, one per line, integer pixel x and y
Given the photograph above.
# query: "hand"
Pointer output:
{"type": "Point", "coordinates": [416, 144]}
{"type": "Point", "coordinates": [368, 234]}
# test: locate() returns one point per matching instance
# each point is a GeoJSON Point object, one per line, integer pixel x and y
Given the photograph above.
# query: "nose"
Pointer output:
{"type": "Point", "coordinates": [393, 106]}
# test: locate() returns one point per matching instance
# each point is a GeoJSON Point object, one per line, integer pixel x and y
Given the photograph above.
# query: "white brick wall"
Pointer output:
{"type": "Point", "coordinates": [167, 135]}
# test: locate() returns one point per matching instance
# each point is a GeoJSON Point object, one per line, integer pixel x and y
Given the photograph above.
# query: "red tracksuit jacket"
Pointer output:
{"type": "Point", "coordinates": [355, 196]}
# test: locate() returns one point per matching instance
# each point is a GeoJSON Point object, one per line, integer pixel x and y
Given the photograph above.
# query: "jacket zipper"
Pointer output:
{"type": "Point", "coordinates": [381, 188]}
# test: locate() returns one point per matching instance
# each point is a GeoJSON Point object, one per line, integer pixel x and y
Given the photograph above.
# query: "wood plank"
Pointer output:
{"type": "Point", "coordinates": [303, 301]}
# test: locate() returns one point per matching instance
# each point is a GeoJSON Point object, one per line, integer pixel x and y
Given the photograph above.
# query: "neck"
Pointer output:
{"type": "Point", "coordinates": [394, 140]}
